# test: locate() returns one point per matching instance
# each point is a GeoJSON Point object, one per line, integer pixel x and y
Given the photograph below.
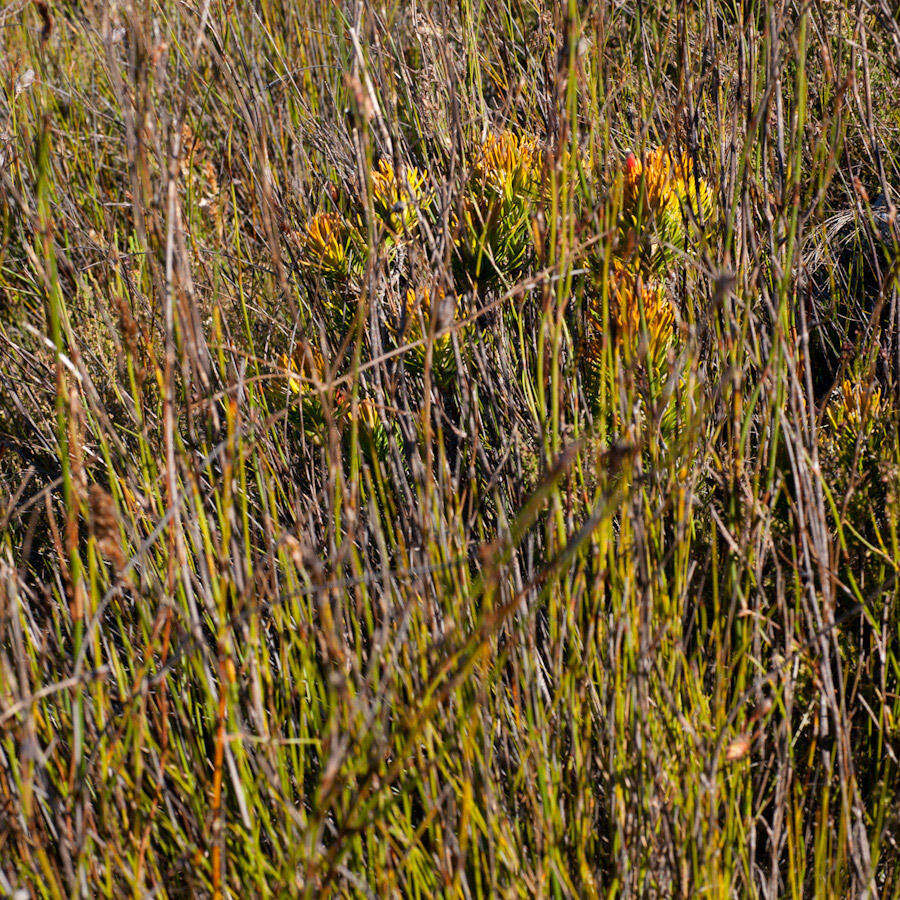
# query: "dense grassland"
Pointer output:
{"type": "Point", "coordinates": [449, 448]}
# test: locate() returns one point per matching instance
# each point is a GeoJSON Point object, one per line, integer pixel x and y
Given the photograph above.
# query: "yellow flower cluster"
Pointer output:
{"type": "Point", "coordinates": [495, 235]}
{"type": "Point", "coordinates": [510, 164]}
{"type": "Point", "coordinates": [855, 408]}
{"type": "Point", "coordinates": [398, 200]}
{"type": "Point", "coordinates": [858, 463]}
{"type": "Point", "coordinates": [657, 180]}
{"type": "Point", "coordinates": [639, 309]}
{"type": "Point", "coordinates": [662, 190]}
{"type": "Point", "coordinates": [304, 378]}
{"type": "Point", "coordinates": [330, 245]}
{"type": "Point", "coordinates": [634, 299]}
{"type": "Point", "coordinates": [411, 326]}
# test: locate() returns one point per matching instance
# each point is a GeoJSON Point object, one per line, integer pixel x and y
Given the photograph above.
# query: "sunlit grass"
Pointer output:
{"type": "Point", "coordinates": [426, 467]}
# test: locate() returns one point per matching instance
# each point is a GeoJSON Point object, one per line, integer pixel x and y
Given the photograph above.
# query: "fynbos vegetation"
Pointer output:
{"type": "Point", "coordinates": [449, 449]}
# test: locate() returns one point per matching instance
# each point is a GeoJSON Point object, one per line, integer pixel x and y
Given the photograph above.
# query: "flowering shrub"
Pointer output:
{"type": "Point", "coordinates": [331, 246]}
{"type": "Point", "coordinates": [662, 199]}
{"type": "Point", "coordinates": [495, 234]}
{"type": "Point", "coordinates": [410, 321]}
{"type": "Point", "coordinates": [399, 200]}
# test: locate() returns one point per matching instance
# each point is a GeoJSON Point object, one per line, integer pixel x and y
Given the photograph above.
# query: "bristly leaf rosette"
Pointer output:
{"type": "Point", "coordinates": [410, 322]}
{"type": "Point", "coordinates": [306, 376]}
{"type": "Point", "coordinates": [399, 198]}
{"type": "Point", "coordinates": [662, 199]}
{"type": "Point", "coordinates": [495, 233]}
{"type": "Point", "coordinates": [331, 246]}
{"type": "Point", "coordinates": [332, 251]}
{"type": "Point", "coordinates": [641, 322]}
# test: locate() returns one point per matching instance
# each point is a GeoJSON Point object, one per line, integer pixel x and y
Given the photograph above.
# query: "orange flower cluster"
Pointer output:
{"type": "Point", "coordinates": [330, 245]}
{"type": "Point", "coordinates": [658, 179]}
{"type": "Point", "coordinates": [635, 303]}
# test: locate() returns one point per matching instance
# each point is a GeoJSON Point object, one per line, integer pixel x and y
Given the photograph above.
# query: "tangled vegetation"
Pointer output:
{"type": "Point", "coordinates": [449, 449]}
